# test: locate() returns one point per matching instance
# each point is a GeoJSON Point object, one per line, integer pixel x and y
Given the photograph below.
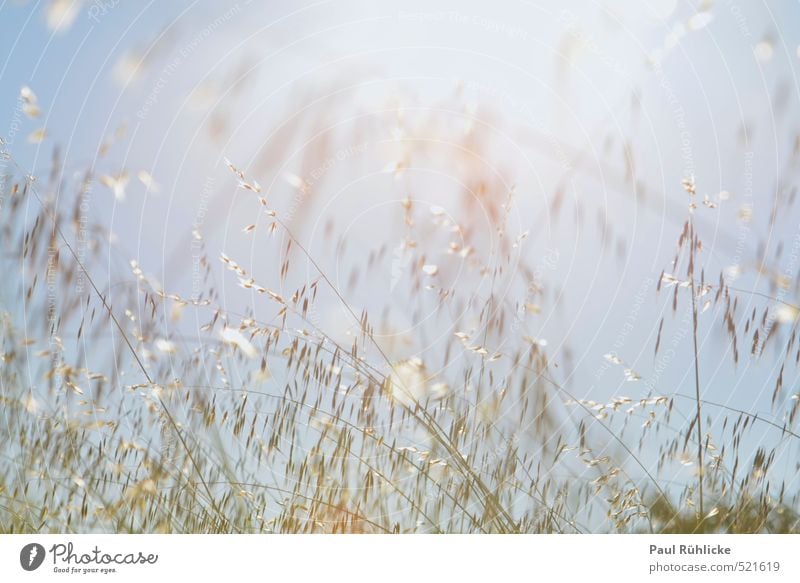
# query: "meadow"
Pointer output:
{"type": "Point", "coordinates": [414, 365]}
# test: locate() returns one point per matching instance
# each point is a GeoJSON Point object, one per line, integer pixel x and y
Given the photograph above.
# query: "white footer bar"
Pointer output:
{"type": "Point", "coordinates": [407, 558]}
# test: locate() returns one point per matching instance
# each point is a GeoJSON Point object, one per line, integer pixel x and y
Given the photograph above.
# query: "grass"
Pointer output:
{"type": "Point", "coordinates": [115, 419]}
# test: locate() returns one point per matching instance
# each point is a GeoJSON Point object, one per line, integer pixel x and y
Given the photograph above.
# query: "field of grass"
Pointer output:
{"type": "Point", "coordinates": [312, 399]}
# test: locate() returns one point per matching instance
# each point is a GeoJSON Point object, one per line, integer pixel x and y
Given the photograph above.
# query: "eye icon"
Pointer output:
{"type": "Point", "coordinates": [31, 556]}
